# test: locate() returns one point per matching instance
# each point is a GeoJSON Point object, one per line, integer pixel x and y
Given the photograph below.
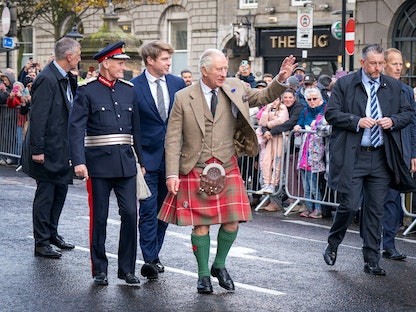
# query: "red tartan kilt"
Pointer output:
{"type": "Point", "coordinates": [191, 207]}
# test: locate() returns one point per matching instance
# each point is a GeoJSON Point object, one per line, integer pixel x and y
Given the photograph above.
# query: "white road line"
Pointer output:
{"type": "Point", "coordinates": [192, 274]}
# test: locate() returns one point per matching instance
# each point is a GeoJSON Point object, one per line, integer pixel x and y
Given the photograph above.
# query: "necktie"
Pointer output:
{"type": "Point", "coordinates": [375, 130]}
{"type": "Point", "coordinates": [69, 94]}
{"type": "Point", "coordinates": [214, 102]}
{"type": "Point", "coordinates": [160, 101]}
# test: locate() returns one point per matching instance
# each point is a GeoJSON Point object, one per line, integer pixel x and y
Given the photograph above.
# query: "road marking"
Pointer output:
{"type": "Point", "coordinates": [192, 274]}
{"type": "Point", "coordinates": [407, 240]}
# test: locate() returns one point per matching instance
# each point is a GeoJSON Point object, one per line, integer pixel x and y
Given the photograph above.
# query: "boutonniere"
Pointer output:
{"type": "Point", "coordinates": [232, 90]}
{"type": "Point", "coordinates": [245, 98]}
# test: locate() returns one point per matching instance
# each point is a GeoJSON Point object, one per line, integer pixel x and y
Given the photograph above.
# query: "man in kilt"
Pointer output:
{"type": "Point", "coordinates": [209, 126]}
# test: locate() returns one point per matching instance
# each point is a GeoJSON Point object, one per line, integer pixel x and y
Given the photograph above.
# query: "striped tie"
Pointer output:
{"type": "Point", "coordinates": [375, 131]}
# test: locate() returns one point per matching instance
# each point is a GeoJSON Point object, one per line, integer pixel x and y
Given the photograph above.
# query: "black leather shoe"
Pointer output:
{"type": "Point", "coordinates": [59, 242]}
{"type": "Point", "coordinates": [224, 278]}
{"type": "Point", "coordinates": [149, 270]}
{"type": "Point", "coordinates": [204, 285]}
{"type": "Point", "coordinates": [160, 267]}
{"type": "Point", "coordinates": [101, 279]}
{"type": "Point", "coordinates": [330, 255]}
{"type": "Point", "coordinates": [47, 252]}
{"type": "Point", "coordinates": [129, 277]}
{"type": "Point", "coordinates": [393, 254]}
{"type": "Point", "coordinates": [374, 268]}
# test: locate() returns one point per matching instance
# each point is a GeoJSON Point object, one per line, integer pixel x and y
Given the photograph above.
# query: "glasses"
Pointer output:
{"type": "Point", "coordinates": [312, 99]}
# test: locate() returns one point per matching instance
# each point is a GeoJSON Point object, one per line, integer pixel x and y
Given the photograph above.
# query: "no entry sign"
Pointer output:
{"type": "Point", "coordinates": [350, 36]}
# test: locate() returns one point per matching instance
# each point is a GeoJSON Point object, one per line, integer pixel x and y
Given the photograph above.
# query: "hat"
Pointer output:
{"type": "Point", "coordinates": [292, 81]}
{"type": "Point", "coordinates": [261, 83]}
{"type": "Point", "coordinates": [299, 68]}
{"type": "Point", "coordinates": [114, 51]}
{"type": "Point", "coordinates": [309, 79]}
{"type": "Point", "coordinates": [324, 80]}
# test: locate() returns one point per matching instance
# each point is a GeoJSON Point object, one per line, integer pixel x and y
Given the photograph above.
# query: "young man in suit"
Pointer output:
{"type": "Point", "coordinates": [155, 89]}
{"type": "Point", "coordinates": [393, 204]}
{"type": "Point", "coordinates": [46, 149]}
{"type": "Point", "coordinates": [367, 110]}
{"type": "Point", "coordinates": [206, 120]}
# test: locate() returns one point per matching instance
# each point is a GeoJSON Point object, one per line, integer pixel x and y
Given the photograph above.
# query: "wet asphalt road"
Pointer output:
{"type": "Point", "coordinates": [276, 264]}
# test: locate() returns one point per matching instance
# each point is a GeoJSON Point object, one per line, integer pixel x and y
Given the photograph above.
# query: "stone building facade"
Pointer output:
{"type": "Point", "coordinates": [262, 32]}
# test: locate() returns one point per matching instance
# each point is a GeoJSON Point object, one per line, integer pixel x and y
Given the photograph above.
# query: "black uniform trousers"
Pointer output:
{"type": "Point", "coordinates": [47, 207]}
{"type": "Point", "coordinates": [99, 194]}
{"type": "Point", "coordinates": [370, 183]}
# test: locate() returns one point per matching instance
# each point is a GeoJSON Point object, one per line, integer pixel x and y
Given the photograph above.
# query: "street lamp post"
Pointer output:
{"type": "Point", "coordinates": [74, 34]}
{"type": "Point", "coordinates": [344, 13]}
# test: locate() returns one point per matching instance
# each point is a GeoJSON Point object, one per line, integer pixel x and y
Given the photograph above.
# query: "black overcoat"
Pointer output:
{"type": "Point", "coordinates": [48, 128]}
{"type": "Point", "coordinates": [346, 106]}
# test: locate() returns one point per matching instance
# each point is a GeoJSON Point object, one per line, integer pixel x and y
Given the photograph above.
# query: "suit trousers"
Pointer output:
{"type": "Point", "coordinates": [152, 230]}
{"type": "Point", "coordinates": [369, 185]}
{"type": "Point", "coordinates": [99, 193]}
{"type": "Point", "coordinates": [47, 207]}
{"type": "Point", "coordinates": [391, 218]}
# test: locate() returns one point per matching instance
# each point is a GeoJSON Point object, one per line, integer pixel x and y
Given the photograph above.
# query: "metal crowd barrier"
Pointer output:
{"type": "Point", "coordinates": [8, 132]}
{"type": "Point", "coordinates": [290, 182]}
{"type": "Point", "coordinates": [408, 210]}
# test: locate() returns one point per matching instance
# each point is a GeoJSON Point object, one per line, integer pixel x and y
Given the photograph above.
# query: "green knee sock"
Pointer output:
{"type": "Point", "coordinates": [225, 241]}
{"type": "Point", "coordinates": [200, 247]}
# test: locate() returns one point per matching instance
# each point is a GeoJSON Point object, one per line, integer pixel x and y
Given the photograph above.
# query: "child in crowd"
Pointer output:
{"type": "Point", "coordinates": [274, 114]}
{"type": "Point", "coordinates": [311, 154]}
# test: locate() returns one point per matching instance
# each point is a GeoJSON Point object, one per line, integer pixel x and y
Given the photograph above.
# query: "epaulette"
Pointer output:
{"type": "Point", "coordinates": [86, 81]}
{"type": "Point", "coordinates": [126, 82]}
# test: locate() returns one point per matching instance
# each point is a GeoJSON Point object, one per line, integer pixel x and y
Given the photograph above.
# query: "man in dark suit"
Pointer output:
{"type": "Point", "coordinates": [103, 130]}
{"type": "Point", "coordinates": [393, 213]}
{"type": "Point", "coordinates": [155, 89]}
{"type": "Point", "coordinates": [46, 151]}
{"type": "Point", "coordinates": [367, 110]}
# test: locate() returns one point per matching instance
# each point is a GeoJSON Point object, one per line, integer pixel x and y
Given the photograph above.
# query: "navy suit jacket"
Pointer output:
{"type": "Point", "coordinates": [152, 126]}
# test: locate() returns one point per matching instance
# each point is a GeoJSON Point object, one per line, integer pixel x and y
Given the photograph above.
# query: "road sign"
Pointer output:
{"type": "Point", "coordinates": [8, 42]}
{"type": "Point", "coordinates": [5, 20]}
{"type": "Point", "coordinates": [350, 36]}
{"type": "Point", "coordinates": [304, 34]}
{"type": "Point", "coordinates": [336, 30]}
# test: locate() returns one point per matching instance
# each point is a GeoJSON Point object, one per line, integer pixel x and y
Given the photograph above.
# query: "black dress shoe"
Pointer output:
{"type": "Point", "coordinates": [47, 252]}
{"type": "Point", "coordinates": [129, 277]}
{"type": "Point", "coordinates": [204, 285]}
{"type": "Point", "coordinates": [330, 255]}
{"type": "Point", "coordinates": [160, 267]}
{"type": "Point", "coordinates": [59, 242]}
{"type": "Point", "coordinates": [224, 278]}
{"type": "Point", "coordinates": [374, 268]}
{"type": "Point", "coordinates": [393, 254]}
{"type": "Point", "coordinates": [149, 270]}
{"type": "Point", "coordinates": [101, 279]}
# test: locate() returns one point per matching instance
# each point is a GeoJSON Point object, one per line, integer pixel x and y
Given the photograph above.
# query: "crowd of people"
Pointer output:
{"type": "Point", "coordinates": [188, 137]}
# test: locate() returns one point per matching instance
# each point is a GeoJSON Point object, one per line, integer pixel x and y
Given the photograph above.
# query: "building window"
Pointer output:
{"type": "Point", "coordinates": [27, 36]}
{"type": "Point", "coordinates": [178, 38]}
{"type": "Point", "coordinates": [248, 4]}
{"type": "Point", "coordinates": [404, 39]}
{"type": "Point", "coordinates": [125, 28]}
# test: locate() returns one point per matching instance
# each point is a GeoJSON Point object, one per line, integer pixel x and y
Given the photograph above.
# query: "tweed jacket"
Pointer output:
{"type": "Point", "coordinates": [186, 127]}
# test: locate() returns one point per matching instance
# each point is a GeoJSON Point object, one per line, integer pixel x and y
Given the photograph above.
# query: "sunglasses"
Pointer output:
{"type": "Point", "coordinates": [311, 99]}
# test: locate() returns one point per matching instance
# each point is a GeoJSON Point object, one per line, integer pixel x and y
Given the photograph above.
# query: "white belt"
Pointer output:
{"type": "Point", "coordinates": [108, 139]}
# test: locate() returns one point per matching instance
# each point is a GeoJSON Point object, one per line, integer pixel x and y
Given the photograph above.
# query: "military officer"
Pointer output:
{"type": "Point", "coordinates": [103, 127]}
